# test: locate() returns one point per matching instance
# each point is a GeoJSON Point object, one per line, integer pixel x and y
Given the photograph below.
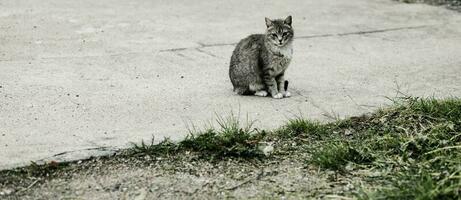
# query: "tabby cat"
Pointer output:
{"type": "Point", "coordinates": [259, 61]}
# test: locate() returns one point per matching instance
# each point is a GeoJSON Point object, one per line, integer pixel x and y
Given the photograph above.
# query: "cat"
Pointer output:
{"type": "Point", "coordinates": [259, 61]}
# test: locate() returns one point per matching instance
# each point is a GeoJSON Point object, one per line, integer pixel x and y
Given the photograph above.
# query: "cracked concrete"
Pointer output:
{"type": "Point", "coordinates": [83, 78]}
{"type": "Point", "coordinates": [202, 45]}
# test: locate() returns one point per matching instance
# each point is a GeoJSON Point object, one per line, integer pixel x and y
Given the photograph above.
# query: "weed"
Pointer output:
{"type": "Point", "coordinates": [229, 140]}
{"type": "Point", "coordinates": [164, 148]}
{"type": "Point", "coordinates": [301, 127]}
{"type": "Point", "coordinates": [419, 184]}
{"type": "Point", "coordinates": [335, 155]}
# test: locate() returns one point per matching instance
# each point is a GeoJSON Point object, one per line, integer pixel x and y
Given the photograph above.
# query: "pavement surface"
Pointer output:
{"type": "Point", "coordinates": [82, 78]}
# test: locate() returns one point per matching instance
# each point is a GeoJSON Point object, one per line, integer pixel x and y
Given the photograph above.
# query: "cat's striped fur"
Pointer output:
{"type": "Point", "coordinates": [259, 61]}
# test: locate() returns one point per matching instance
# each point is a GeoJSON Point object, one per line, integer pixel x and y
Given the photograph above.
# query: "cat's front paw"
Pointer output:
{"type": "Point", "coordinates": [286, 94]}
{"type": "Point", "coordinates": [261, 93]}
{"type": "Point", "coordinates": [277, 96]}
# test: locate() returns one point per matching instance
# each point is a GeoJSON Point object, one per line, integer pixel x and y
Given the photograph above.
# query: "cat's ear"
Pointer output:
{"type": "Point", "coordinates": [287, 21]}
{"type": "Point", "coordinates": [268, 22]}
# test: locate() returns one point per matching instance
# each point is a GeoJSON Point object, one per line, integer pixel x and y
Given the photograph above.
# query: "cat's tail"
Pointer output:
{"type": "Point", "coordinates": [285, 86]}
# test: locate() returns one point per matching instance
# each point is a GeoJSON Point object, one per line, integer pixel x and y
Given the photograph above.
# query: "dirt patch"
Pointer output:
{"type": "Point", "coordinates": [186, 176]}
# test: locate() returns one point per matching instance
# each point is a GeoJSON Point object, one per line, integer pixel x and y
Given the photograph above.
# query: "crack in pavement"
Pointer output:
{"type": "Point", "coordinates": [101, 149]}
{"type": "Point", "coordinates": [203, 45]}
{"type": "Point", "coordinates": [330, 115]}
{"type": "Point", "coordinates": [363, 32]}
{"type": "Point", "coordinates": [87, 149]}
{"type": "Point", "coordinates": [206, 52]}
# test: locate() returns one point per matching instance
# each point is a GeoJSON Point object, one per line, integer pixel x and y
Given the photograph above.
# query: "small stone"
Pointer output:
{"type": "Point", "coordinates": [6, 192]}
{"type": "Point", "coordinates": [348, 132]}
{"type": "Point", "coordinates": [266, 148]}
{"type": "Point", "coordinates": [182, 76]}
{"type": "Point", "coordinates": [350, 167]}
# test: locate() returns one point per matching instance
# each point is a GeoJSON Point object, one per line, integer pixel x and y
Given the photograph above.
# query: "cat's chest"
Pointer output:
{"type": "Point", "coordinates": [282, 54]}
{"type": "Point", "coordinates": [281, 59]}
{"type": "Point", "coordinates": [286, 53]}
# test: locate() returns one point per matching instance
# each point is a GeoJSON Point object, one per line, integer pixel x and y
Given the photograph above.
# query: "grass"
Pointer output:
{"type": "Point", "coordinates": [418, 141]}
{"type": "Point", "coordinates": [228, 141]}
{"type": "Point", "coordinates": [302, 127]}
{"type": "Point", "coordinates": [336, 155]}
{"type": "Point", "coordinates": [414, 146]}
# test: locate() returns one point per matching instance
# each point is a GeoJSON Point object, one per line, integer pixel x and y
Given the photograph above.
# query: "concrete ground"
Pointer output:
{"type": "Point", "coordinates": [81, 78]}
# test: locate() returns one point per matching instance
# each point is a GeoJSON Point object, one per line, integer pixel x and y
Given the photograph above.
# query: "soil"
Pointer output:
{"type": "Point", "coordinates": [186, 176]}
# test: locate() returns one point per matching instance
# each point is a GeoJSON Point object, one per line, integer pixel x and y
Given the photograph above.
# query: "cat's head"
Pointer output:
{"type": "Point", "coordinates": [279, 31]}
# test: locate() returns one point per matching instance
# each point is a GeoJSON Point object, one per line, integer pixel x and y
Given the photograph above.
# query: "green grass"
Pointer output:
{"type": "Point", "coordinates": [164, 148]}
{"type": "Point", "coordinates": [416, 141]}
{"type": "Point", "coordinates": [418, 185]}
{"type": "Point", "coordinates": [414, 145]}
{"type": "Point", "coordinates": [230, 140]}
{"type": "Point", "coordinates": [299, 127]}
{"type": "Point", "coordinates": [336, 155]}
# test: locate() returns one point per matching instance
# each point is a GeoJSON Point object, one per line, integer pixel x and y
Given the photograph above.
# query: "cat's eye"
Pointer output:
{"type": "Point", "coordinates": [274, 35]}
{"type": "Point", "coordinates": [285, 34]}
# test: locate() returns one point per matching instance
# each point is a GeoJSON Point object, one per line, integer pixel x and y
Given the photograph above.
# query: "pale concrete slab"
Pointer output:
{"type": "Point", "coordinates": [81, 78]}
